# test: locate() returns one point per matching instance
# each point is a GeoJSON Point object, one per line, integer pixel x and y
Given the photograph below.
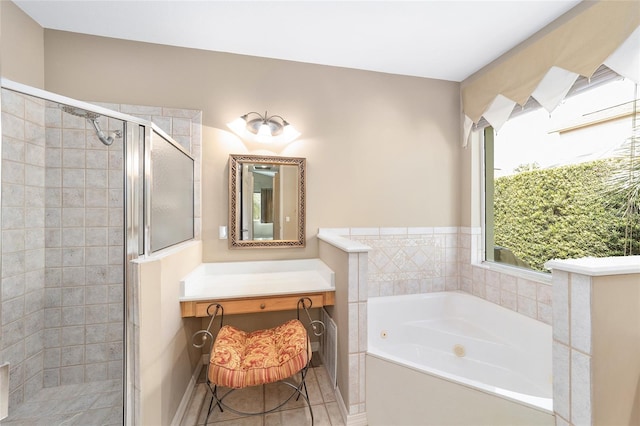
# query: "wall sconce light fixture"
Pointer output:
{"type": "Point", "coordinates": [263, 128]}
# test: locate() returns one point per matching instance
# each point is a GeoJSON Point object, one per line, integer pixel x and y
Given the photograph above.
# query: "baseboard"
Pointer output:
{"type": "Point", "coordinates": [359, 419]}
{"type": "Point", "coordinates": [186, 398]}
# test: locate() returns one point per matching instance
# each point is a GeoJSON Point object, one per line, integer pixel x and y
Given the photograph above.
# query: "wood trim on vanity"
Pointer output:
{"type": "Point", "coordinates": [247, 305]}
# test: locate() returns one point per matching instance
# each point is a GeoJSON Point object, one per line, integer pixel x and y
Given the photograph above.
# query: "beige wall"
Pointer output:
{"type": "Point", "coordinates": [382, 150]}
{"type": "Point", "coordinates": [21, 46]}
{"type": "Point", "coordinates": [615, 320]}
{"type": "Point", "coordinates": [167, 358]}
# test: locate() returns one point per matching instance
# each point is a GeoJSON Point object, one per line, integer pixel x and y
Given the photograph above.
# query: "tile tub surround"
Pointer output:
{"type": "Point", "coordinates": [407, 260]}
{"type": "Point", "coordinates": [596, 307]}
{"type": "Point", "coordinates": [394, 261]}
{"type": "Point", "coordinates": [431, 259]}
{"type": "Point", "coordinates": [596, 340]}
{"type": "Point", "coordinates": [523, 295]}
{"type": "Point", "coordinates": [528, 293]}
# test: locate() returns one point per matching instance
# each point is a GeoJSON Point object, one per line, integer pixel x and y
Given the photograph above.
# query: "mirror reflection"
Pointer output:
{"type": "Point", "coordinates": [266, 201]}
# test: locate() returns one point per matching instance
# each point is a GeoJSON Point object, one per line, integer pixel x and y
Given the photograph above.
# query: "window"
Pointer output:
{"type": "Point", "coordinates": [566, 184]}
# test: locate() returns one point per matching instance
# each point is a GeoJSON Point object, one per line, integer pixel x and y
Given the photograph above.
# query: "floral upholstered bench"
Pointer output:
{"type": "Point", "coordinates": [240, 359]}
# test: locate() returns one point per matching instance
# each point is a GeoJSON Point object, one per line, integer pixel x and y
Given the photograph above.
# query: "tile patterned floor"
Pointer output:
{"type": "Point", "coordinates": [321, 395]}
{"type": "Point", "coordinates": [100, 403]}
{"type": "Point", "coordinates": [88, 404]}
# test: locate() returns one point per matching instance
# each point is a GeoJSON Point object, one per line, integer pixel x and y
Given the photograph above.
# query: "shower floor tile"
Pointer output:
{"type": "Point", "coordinates": [94, 403]}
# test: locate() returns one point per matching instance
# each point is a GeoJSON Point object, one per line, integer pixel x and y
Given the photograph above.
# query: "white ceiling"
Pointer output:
{"type": "Point", "coordinates": [447, 40]}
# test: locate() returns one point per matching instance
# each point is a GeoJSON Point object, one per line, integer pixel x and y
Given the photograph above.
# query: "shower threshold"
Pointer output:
{"type": "Point", "coordinates": [93, 403]}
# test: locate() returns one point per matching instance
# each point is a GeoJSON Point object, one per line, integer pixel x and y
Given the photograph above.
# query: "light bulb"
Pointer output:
{"type": "Point", "coordinates": [289, 133]}
{"type": "Point", "coordinates": [239, 126]}
{"type": "Point", "coordinates": [264, 133]}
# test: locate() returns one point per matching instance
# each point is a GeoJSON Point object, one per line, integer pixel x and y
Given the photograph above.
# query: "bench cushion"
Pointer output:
{"type": "Point", "coordinates": [240, 359]}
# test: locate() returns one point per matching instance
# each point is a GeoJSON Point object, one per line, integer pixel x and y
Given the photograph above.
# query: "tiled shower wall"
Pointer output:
{"type": "Point", "coordinates": [62, 240]}
{"type": "Point", "coordinates": [23, 243]}
{"type": "Point", "coordinates": [84, 220]}
{"type": "Point", "coordinates": [84, 309]}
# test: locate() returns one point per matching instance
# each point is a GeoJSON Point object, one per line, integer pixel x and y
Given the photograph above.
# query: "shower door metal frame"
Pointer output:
{"type": "Point", "coordinates": [134, 166]}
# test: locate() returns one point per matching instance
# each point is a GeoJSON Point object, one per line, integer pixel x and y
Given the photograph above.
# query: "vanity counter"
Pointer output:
{"type": "Point", "coordinates": [246, 287]}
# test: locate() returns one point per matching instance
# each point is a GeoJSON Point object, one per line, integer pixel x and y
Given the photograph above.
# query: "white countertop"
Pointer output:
{"type": "Point", "coordinates": [256, 279]}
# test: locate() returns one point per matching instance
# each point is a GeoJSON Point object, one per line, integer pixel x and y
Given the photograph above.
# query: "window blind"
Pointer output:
{"type": "Point", "coordinates": [602, 75]}
{"type": "Point", "coordinates": [568, 53]}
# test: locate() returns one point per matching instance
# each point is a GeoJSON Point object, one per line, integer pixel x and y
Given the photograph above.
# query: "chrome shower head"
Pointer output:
{"type": "Point", "coordinates": [79, 112]}
{"type": "Point", "coordinates": [92, 117]}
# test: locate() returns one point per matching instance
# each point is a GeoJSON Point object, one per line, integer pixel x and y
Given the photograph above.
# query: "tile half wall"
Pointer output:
{"type": "Point", "coordinates": [416, 260]}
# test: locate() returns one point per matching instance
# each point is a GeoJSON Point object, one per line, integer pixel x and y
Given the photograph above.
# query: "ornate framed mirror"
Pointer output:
{"type": "Point", "coordinates": [266, 201]}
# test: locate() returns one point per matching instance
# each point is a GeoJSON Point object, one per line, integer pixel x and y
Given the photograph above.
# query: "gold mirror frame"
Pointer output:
{"type": "Point", "coordinates": [235, 185]}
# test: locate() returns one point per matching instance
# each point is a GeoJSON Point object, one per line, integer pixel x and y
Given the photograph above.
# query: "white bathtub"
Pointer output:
{"type": "Point", "coordinates": [453, 358]}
